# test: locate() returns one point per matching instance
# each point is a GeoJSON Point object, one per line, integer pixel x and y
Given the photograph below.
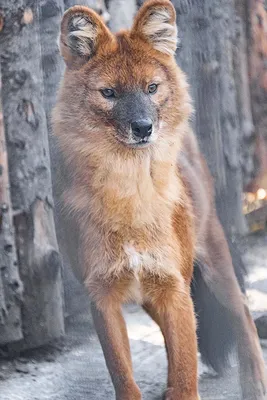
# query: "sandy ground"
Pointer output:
{"type": "Point", "coordinates": [75, 369]}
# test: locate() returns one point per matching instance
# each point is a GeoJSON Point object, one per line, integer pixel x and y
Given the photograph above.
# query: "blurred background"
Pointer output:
{"type": "Point", "coordinates": [223, 50]}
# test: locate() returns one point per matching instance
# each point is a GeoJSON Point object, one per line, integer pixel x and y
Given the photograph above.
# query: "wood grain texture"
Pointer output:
{"type": "Point", "coordinates": [29, 171]}
{"type": "Point", "coordinates": [206, 29]}
{"type": "Point", "coordinates": [10, 283]}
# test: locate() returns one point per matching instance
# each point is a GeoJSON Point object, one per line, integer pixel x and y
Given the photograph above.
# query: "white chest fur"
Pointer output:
{"type": "Point", "coordinates": [137, 259]}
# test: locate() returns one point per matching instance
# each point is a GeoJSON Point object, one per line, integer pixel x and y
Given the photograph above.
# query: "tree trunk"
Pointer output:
{"type": "Point", "coordinates": [10, 283]}
{"type": "Point", "coordinates": [247, 130]}
{"type": "Point", "coordinates": [207, 31]}
{"type": "Point", "coordinates": [121, 14]}
{"type": "Point", "coordinates": [257, 60]}
{"type": "Point", "coordinates": [51, 12]}
{"type": "Point", "coordinates": [29, 168]}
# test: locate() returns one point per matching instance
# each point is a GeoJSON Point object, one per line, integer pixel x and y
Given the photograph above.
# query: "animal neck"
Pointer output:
{"type": "Point", "coordinates": [139, 172]}
{"type": "Point", "coordinates": [128, 187]}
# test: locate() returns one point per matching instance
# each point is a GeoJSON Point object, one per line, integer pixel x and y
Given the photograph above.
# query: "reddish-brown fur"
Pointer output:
{"type": "Point", "coordinates": [142, 218]}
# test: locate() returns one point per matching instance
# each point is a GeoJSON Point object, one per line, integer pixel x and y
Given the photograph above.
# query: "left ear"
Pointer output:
{"type": "Point", "coordinates": [156, 23]}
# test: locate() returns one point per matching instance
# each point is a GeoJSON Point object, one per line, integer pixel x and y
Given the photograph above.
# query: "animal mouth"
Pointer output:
{"type": "Point", "coordinates": [143, 141]}
{"type": "Point", "coordinates": [135, 143]}
{"type": "Point", "coordinates": [140, 143]}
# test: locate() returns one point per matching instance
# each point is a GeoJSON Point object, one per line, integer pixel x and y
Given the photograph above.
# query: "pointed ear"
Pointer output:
{"type": "Point", "coordinates": [156, 23]}
{"type": "Point", "coordinates": [82, 33]}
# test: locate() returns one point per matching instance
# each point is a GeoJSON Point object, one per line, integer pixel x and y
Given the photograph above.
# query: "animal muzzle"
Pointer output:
{"type": "Point", "coordinates": [135, 117]}
{"type": "Point", "coordinates": [142, 128]}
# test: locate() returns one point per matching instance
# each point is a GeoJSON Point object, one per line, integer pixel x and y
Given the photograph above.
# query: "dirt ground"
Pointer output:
{"type": "Point", "coordinates": [74, 369]}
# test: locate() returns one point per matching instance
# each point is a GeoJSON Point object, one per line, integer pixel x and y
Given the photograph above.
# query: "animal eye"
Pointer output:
{"type": "Point", "coordinates": [152, 89]}
{"type": "Point", "coordinates": [107, 93]}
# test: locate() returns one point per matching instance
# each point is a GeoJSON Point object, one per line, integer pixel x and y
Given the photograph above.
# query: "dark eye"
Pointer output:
{"type": "Point", "coordinates": [107, 93]}
{"type": "Point", "coordinates": [152, 88]}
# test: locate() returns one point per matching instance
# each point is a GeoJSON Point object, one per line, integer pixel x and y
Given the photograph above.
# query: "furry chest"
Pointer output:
{"type": "Point", "coordinates": [162, 261]}
{"type": "Point", "coordinates": [138, 259]}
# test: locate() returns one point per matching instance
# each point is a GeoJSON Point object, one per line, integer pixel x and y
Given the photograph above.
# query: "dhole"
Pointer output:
{"type": "Point", "coordinates": [142, 199]}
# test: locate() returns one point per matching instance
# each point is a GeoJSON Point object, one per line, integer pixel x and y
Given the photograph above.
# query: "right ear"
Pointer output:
{"type": "Point", "coordinates": [82, 33]}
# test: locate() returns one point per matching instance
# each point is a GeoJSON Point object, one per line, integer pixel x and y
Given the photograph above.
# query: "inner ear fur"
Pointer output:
{"type": "Point", "coordinates": [82, 33]}
{"type": "Point", "coordinates": [156, 24]}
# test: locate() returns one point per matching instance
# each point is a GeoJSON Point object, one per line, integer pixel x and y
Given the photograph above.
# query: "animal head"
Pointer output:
{"type": "Point", "coordinates": [123, 89]}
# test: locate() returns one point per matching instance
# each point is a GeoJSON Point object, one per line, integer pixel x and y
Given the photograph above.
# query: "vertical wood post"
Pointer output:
{"type": "Point", "coordinates": [10, 283]}
{"type": "Point", "coordinates": [207, 31]}
{"type": "Point", "coordinates": [30, 177]}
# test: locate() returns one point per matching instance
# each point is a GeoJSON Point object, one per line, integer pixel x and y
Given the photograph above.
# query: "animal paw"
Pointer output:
{"type": "Point", "coordinates": [171, 394]}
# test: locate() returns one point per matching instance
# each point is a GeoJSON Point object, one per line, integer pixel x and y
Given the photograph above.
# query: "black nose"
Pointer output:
{"type": "Point", "coordinates": [142, 128]}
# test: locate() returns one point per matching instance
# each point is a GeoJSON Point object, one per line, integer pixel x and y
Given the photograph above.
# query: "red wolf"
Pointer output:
{"type": "Point", "coordinates": [142, 199]}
